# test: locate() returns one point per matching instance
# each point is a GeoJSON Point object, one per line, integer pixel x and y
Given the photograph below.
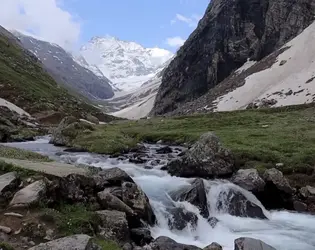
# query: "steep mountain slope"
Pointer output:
{"type": "Point", "coordinates": [126, 64]}
{"type": "Point", "coordinates": [139, 102]}
{"type": "Point", "coordinates": [74, 74]}
{"type": "Point", "coordinates": [230, 33]}
{"type": "Point", "coordinates": [25, 83]}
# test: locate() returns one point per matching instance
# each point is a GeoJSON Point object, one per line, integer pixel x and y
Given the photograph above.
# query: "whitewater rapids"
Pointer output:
{"type": "Point", "coordinates": [284, 230]}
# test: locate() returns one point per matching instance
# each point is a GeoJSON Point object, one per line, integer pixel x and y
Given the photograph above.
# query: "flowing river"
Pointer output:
{"type": "Point", "coordinates": [283, 230]}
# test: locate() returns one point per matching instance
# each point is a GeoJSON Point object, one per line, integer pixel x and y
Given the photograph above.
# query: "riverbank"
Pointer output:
{"type": "Point", "coordinates": [260, 139]}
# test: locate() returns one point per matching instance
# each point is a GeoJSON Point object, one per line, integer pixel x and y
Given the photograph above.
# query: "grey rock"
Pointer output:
{"type": "Point", "coordinates": [249, 179]}
{"type": "Point", "coordinates": [166, 243]}
{"type": "Point", "coordinates": [6, 230]}
{"type": "Point", "coordinates": [115, 176]}
{"type": "Point", "coordinates": [276, 177]}
{"type": "Point", "coordinates": [299, 206]}
{"type": "Point", "coordinates": [141, 236]}
{"type": "Point", "coordinates": [251, 244]}
{"type": "Point", "coordinates": [230, 32]}
{"type": "Point", "coordinates": [8, 183]}
{"type": "Point", "coordinates": [114, 225]}
{"type": "Point", "coordinates": [180, 218]}
{"type": "Point", "coordinates": [213, 221]}
{"type": "Point", "coordinates": [76, 242]}
{"type": "Point", "coordinates": [213, 246]}
{"type": "Point", "coordinates": [235, 203]}
{"type": "Point", "coordinates": [194, 194]}
{"type": "Point", "coordinates": [127, 246]}
{"type": "Point", "coordinates": [135, 198]}
{"type": "Point", "coordinates": [207, 158]}
{"type": "Point", "coordinates": [30, 195]}
{"type": "Point", "coordinates": [66, 70]}
{"type": "Point", "coordinates": [109, 201]}
{"type": "Point", "coordinates": [307, 191]}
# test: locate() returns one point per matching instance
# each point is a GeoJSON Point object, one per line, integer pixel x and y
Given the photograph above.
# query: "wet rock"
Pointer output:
{"type": "Point", "coordinates": [278, 192]}
{"type": "Point", "coordinates": [109, 201]}
{"type": "Point", "coordinates": [135, 198]}
{"type": "Point", "coordinates": [251, 244]}
{"type": "Point", "coordinates": [114, 225]}
{"type": "Point", "coordinates": [115, 176]}
{"type": "Point", "coordinates": [166, 243]}
{"type": "Point", "coordinates": [77, 242]}
{"type": "Point", "coordinates": [127, 246]}
{"type": "Point", "coordinates": [180, 218]}
{"type": "Point", "coordinates": [164, 150]}
{"type": "Point", "coordinates": [141, 236]}
{"type": "Point", "coordinates": [194, 194]}
{"type": "Point", "coordinates": [249, 179]}
{"type": "Point", "coordinates": [307, 192]}
{"type": "Point", "coordinates": [235, 203]}
{"type": "Point", "coordinates": [213, 246]}
{"type": "Point", "coordinates": [299, 206]}
{"type": "Point", "coordinates": [207, 158]}
{"type": "Point", "coordinates": [30, 195]}
{"type": "Point", "coordinates": [137, 159]}
{"type": "Point", "coordinates": [213, 221]}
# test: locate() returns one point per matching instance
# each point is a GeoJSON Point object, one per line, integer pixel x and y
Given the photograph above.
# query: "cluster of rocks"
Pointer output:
{"type": "Point", "coordinates": [262, 103]}
{"type": "Point", "coordinates": [12, 123]}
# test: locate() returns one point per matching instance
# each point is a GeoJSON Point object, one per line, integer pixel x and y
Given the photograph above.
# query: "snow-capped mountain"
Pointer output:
{"type": "Point", "coordinates": [72, 72]}
{"type": "Point", "coordinates": [126, 64]}
{"type": "Point", "coordinates": [138, 103]}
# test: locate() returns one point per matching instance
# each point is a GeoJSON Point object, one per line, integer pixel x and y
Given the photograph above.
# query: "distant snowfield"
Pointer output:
{"type": "Point", "coordinates": [13, 107]}
{"type": "Point", "coordinates": [289, 84]}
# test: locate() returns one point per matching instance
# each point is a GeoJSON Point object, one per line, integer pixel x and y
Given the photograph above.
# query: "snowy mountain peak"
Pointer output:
{"type": "Point", "coordinates": [126, 64]}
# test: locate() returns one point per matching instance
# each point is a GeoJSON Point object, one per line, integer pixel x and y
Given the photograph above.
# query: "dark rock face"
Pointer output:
{"type": "Point", "coordinates": [194, 194]}
{"type": "Point", "coordinates": [250, 244]}
{"type": "Point", "coordinates": [141, 236]}
{"type": "Point", "coordinates": [166, 243]}
{"type": "Point", "coordinates": [230, 32]}
{"type": "Point", "coordinates": [181, 218]}
{"type": "Point", "coordinates": [235, 203]}
{"type": "Point", "coordinates": [66, 70]}
{"type": "Point", "coordinates": [207, 158]}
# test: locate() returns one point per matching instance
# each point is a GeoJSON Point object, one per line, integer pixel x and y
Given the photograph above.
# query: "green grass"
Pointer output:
{"type": "Point", "coordinates": [24, 82]}
{"type": "Point", "coordinates": [106, 245]}
{"type": "Point", "coordinates": [258, 138]}
{"type": "Point", "coordinates": [20, 154]}
{"type": "Point", "coordinates": [72, 219]}
{"type": "Point", "coordinates": [5, 246]}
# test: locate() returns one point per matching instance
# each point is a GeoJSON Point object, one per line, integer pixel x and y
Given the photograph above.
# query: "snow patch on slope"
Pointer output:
{"type": "Point", "coordinates": [290, 81]}
{"type": "Point", "coordinates": [13, 107]}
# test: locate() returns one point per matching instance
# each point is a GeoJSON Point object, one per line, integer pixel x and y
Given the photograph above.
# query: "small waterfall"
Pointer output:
{"type": "Point", "coordinates": [282, 230]}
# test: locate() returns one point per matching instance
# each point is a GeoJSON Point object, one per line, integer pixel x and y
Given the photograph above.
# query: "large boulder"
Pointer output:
{"type": "Point", "coordinates": [141, 236]}
{"type": "Point", "coordinates": [114, 225]}
{"type": "Point", "coordinates": [213, 246]}
{"type": "Point", "coordinates": [194, 194]}
{"type": "Point", "coordinates": [180, 218]}
{"type": "Point", "coordinates": [30, 195]}
{"type": "Point", "coordinates": [236, 203]}
{"type": "Point", "coordinates": [165, 243]}
{"type": "Point", "coordinates": [9, 182]}
{"type": "Point", "coordinates": [115, 176]}
{"type": "Point", "coordinates": [251, 244]}
{"type": "Point", "coordinates": [77, 242]}
{"type": "Point", "coordinates": [249, 179]}
{"type": "Point", "coordinates": [207, 158]}
{"type": "Point", "coordinates": [136, 199]}
{"type": "Point", "coordinates": [277, 193]}
{"type": "Point", "coordinates": [68, 129]}
{"type": "Point", "coordinates": [109, 201]}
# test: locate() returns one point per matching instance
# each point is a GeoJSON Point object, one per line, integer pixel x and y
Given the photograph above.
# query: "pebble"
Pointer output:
{"type": "Point", "coordinates": [6, 230]}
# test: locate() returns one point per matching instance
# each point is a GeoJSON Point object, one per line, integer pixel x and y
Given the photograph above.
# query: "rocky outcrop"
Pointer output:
{"type": "Point", "coordinates": [207, 158]}
{"type": "Point", "coordinates": [67, 130]}
{"type": "Point", "coordinates": [166, 243]}
{"type": "Point", "coordinates": [180, 218]}
{"type": "Point", "coordinates": [230, 33]}
{"type": "Point", "coordinates": [8, 182]}
{"type": "Point", "coordinates": [194, 194]}
{"type": "Point", "coordinates": [250, 244]}
{"type": "Point", "coordinates": [249, 179]}
{"type": "Point", "coordinates": [78, 242]}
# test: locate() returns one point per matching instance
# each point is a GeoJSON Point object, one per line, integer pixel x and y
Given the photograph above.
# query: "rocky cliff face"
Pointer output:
{"type": "Point", "coordinates": [230, 33]}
